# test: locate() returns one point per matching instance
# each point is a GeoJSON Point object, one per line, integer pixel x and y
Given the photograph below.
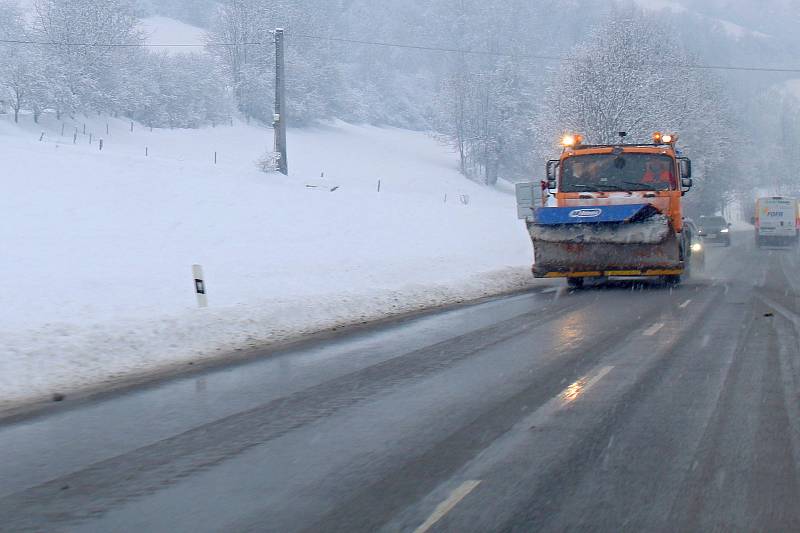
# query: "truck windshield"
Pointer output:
{"type": "Point", "coordinates": [618, 172]}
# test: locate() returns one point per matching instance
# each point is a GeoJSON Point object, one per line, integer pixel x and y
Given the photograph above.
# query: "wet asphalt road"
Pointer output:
{"type": "Point", "coordinates": [622, 407]}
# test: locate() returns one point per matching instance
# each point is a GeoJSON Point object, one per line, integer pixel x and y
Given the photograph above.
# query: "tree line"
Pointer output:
{"type": "Point", "coordinates": [500, 97]}
{"type": "Point", "coordinates": [72, 72]}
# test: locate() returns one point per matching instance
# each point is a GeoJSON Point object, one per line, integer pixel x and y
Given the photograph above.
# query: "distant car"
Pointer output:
{"type": "Point", "coordinates": [696, 254]}
{"type": "Point", "coordinates": [715, 229]}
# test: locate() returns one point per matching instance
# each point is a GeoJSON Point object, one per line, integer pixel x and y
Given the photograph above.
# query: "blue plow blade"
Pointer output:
{"type": "Point", "coordinates": [593, 214]}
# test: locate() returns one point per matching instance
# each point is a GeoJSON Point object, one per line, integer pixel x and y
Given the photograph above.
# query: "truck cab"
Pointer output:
{"type": "Point", "coordinates": [621, 174]}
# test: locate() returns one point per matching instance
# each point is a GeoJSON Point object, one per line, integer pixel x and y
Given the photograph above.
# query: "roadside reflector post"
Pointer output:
{"type": "Point", "coordinates": [200, 286]}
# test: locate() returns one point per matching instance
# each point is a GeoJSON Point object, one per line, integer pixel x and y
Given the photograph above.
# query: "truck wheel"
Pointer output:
{"type": "Point", "coordinates": [575, 283]}
{"type": "Point", "coordinates": [672, 280]}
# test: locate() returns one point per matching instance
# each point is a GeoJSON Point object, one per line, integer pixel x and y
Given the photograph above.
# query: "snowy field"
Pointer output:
{"type": "Point", "coordinates": [97, 247]}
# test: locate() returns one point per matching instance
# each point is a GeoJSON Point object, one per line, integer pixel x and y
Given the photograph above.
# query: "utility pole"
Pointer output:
{"type": "Point", "coordinates": [279, 121]}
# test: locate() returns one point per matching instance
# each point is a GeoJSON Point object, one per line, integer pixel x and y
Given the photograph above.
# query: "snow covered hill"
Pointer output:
{"type": "Point", "coordinates": [165, 31]}
{"type": "Point", "coordinates": [98, 246]}
{"type": "Point", "coordinates": [730, 29]}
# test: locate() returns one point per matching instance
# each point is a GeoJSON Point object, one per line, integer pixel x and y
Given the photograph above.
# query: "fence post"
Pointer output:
{"type": "Point", "coordinates": [200, 286]}
{"type": "Point", "coordinates": [101, 145]}
{"type": "Point", "coordinates": [379, 185]}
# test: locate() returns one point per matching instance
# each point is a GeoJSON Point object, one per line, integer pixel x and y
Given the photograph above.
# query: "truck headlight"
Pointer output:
{"type": "Point", "coordinates": [697, 247]}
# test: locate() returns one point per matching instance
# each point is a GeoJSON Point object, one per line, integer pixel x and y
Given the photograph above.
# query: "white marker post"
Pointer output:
{"type": "Point", "coordinates": [200, 286]}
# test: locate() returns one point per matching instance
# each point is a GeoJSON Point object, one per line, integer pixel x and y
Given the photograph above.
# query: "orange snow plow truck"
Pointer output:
{"type": "Point", "coordinates": [610, 211]}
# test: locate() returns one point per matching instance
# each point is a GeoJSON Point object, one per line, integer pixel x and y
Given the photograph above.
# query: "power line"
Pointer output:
{"type": "Point", "coordinates": [431, 48]}
{"type": "Point", "coordinates": [691, 66]}
{"type": "Point", "coordinates": [386, 44]}
{"type": "Point", "coordinates": [130, 45]}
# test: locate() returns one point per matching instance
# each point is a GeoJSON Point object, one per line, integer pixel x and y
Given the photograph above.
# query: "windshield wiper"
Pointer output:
{"type": "Point", "coordinates": [641, 187]}
{"type": "Point", "coordinates": [590, 188]}
{"type": "Point", "coordinates": [615, 187]}
{"type": "Point", "coordinates": [601, 188]}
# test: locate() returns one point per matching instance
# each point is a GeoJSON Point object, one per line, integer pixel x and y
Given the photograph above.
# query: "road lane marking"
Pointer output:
{"type": "Point", "coordinates": [577, 389]}
{"type": "Point", "coordinates": [551, 290]}
{"type": "Point", "coordinates": [565, 398]}
{"type": "Point", "coordinates": [652, 330]}
{"type": "Point", "coordinates": [685, 304]}
{"type": "Point", "coordinates": [791, 316]}
{"type": "Point", "coordinates": [448, 505]}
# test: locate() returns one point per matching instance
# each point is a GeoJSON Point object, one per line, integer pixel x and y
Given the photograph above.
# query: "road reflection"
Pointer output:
{"type": "Point", "coordinates": [571, 328]}
{"type": "Point", "coordinates": [574, 391]}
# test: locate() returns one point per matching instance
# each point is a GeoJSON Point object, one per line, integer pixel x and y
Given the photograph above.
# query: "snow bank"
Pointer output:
{"type": "Point", "coordinates": [98, 246]}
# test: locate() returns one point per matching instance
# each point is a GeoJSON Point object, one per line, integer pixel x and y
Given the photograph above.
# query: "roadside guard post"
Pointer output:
{"type": "Point", "coordinates": [200, 286]}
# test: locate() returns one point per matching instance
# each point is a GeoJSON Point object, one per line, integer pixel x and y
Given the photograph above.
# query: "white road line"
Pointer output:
{"type": "Point", "coordinates": [706, 341]}
{"type": "Point", "coordinates": [791, 316]}
{"type": "Point", "coordinates": [446, 506]}
{"type": "Point", "coordinates": [550, 290]}
{"type": "Point", "coordinates": [565, 397]}
{"type": "Point", "coordinates": [652, 330]}
{"type": "Point", "coordinates": [559, 402]}
{"type": "Point", "coordinates": [685, 304]}
{"type": "Point", "coordinates": [579, 388]}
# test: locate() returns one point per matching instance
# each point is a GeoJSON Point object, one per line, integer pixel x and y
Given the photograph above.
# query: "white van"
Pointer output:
{"type": "Point", "coordinates": [776, 221]}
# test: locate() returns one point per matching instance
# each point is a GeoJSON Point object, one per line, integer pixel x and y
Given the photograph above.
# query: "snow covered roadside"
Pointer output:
{"type": "Point", "coordinates": [97, 246]}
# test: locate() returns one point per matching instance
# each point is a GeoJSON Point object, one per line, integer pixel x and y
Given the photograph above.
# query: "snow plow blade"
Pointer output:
{"type": "Point", "coordinates": [599, 241]}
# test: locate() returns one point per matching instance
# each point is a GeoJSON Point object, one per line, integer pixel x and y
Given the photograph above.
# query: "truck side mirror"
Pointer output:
{"type": "Point", "coordinates": [686, 168]}
{"type": "Point", "coordinates": [686, 185]}
{"type": "Point", "coordinates": [552, 174]}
